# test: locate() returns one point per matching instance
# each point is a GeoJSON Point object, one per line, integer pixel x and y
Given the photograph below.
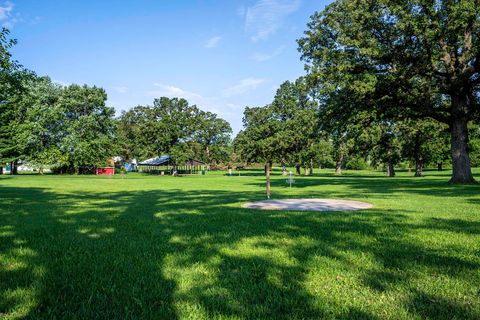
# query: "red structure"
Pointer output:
{"type": "Point", "coordinates": [105, 171]}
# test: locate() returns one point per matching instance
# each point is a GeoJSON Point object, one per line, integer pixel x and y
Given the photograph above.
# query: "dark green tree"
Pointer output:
{"type": "Point", "coordinates": [213, 137]}
{"type": "Point", "coordinates": [87, 127]}
{"type": "Point", "coordinates": [172, 126]}
{"type": "Point", "coordinates": [134, 139]}
{"type": "Point", "coordinates": [409, 59]}
{"type": "Point", "coordinates": [474, 144]}
{"type": "Point", "coordinates": [38, 136]}
{"type": "Point", "coordinates": [258, 141]}
{"type": "Point", "coordinates": [295, 112]}
{"type": "Point", "coordinates": [423, 142]}
{"type": "Point", "coordinates": [13, 79]}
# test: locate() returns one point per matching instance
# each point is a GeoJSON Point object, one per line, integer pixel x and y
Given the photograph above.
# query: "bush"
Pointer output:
{"type": "Point", "coordinates": [357, 163]}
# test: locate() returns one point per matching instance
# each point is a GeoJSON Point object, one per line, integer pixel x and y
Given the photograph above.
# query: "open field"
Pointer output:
{"type": "Point", "coordinates": [149, 247]}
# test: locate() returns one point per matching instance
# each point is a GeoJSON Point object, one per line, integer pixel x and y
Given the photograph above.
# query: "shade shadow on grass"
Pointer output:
{"type": "Point", "coordinates": [357, 186]}
{"type": "Point", "coordinates": [147, 254]}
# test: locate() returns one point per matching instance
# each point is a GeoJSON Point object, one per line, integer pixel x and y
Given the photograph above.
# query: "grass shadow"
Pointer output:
{"type": "Point", "coordinates": [171, 254]}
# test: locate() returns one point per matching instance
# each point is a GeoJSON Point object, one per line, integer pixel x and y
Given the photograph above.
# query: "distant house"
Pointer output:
{"type": "Point", "coordinates": [165, 164]}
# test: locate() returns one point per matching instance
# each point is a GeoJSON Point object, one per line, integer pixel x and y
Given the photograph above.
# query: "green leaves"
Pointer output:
{"type": "Point", "coordinates": [86, 125]}
{"type": "Point", "coordinates": [172, 126]}
{"type": "Point", "coordinates": [283, 131]}
{"type": "Point", "coordinates": [399, 60]}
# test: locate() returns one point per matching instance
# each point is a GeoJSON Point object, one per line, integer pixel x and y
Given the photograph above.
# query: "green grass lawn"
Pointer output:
{"type": "Point", "coordinates": [150, 247]}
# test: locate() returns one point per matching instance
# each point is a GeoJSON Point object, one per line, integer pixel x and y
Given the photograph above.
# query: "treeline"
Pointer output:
{"type": "Point", "coordinates": [296, 130]}
{"type": "Point", "coordinates": [173, 127]}
{"type": "Point", "coordinates": [388, 81]}
{"type": "Point", "coordinates": [69, 129]}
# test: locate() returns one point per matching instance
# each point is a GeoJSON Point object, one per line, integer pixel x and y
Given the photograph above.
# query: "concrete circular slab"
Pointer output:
{"type": "Point", "coordinates": [308, 205]}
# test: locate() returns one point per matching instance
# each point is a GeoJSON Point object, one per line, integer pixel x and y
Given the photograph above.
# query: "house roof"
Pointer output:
{"type": "Point", "coordinates": [166, 159]}
{"type": "Point", "coordinates": [157, 161]}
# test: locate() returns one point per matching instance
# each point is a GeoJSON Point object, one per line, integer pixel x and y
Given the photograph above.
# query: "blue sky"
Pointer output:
{"type": "Point", "coordinates": [222, 55]}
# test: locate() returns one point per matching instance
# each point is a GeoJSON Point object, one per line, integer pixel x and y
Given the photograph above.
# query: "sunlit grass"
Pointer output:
{"type": "Point", "coordinates": [150, 247]}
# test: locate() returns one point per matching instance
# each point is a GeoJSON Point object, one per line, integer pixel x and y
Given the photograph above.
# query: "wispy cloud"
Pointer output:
{"type": "Point", "coordinates": [265, 17]}
{"type": "Point", "coordinates": [243, 86]}
{"type": "Point", "coordinates": [213, 42]}
{"type": "Point", "coordinates": [260, 57]}
{"type": "Point", "coordinates": [175, 92]}
{"type": "Point", "coordinates": [121, 89]}
{"type": "Point", "coordinates": [6, 18]}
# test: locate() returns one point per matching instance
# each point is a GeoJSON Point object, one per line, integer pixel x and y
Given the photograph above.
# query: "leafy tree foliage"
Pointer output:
{"type": "Point", "coordinates": [423, 142]}
{"type": "Point", "coordinates": [174, 127]}
{"type": "Point", "coordinates": [213, 138]}
{"type": "Point", "coordinates": [38, 135]}
{"type": "Point", "coordinates": [86, 125]}
{"type": "Point", "coordinates": [12, 79]}
{"type": "Point", "coordinates": [474, 144]}
{"type": "Point", "coordinates": [408, 59]}
{"type": "Point", "coordinates": [283, 131]}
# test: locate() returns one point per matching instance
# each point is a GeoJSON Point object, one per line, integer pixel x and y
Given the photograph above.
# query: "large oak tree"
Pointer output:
{"type": "Point", "coordinates": [407, 59]}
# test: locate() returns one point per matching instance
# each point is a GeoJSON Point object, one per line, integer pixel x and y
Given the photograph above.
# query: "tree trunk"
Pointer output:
{"type": "Point", "coordinates": [267, 174]}
{"type": "Point", "coordinates": [390, 169]}
{"type": "Point", "coordinates": [462, 172]}
{"type": "Point", "coordinates": [311, 167]}
{"type": "Point", "coordinates": [40, 170]}
{"type": "Point", "coordinates": [1, 170]}
{"type": "Point", "coordinates": [297, 168]}
{"type": "Point", "coordinates": [307, 170]}
{"type": "Point", "coordinates": [338, 165]}
{"type": "Point", "coordinates": [440, 166]}
{"type": "Point", "coordinates": [77, 170]}
{"type": "Point", "coordinates": [418, 167]}
{"type": "Point", "coordinates": [13, 168]}
{"type": "Point", "coordinates": [284, 168]}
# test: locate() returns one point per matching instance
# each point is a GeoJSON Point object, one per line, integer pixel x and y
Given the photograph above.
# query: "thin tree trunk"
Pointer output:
{"type": "Point", "coordinates": [1, 170]}
{"type": "Point", "coordinates": [40, 170]}
{"type": "Point", "coordinates": [462, 172]}
{"type": "Point", "coordinates": [284, 168]}
{"type": "Point", "coordinates": [13, 167]}
{"type": "Point", "coordinates": [311, 167]}
{"type": "Point", "coordinates": [297, 168]}
{"type": "Point", "coordinates": [267, 174]}
{"type": "Point", "coordinates": [390, 169]}
{"type": "Point", "coordinates": [77, 170]}
{"type": "Point", "coordinates": [440, 166]}
{"type": "Point", "coordinates": [338, 165]}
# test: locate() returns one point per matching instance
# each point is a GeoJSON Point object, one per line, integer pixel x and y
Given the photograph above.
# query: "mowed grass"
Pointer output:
{"type": "Point", "coordinates": [150, 247]}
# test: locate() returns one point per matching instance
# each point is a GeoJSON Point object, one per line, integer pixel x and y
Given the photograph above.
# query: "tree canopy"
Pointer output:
{"type": "Point", "coordinates": [172, 126]}
{"type": "Point", "coordinates": [408, 59]}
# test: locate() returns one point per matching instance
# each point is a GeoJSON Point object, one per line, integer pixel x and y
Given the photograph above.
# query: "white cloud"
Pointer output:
{"type": "Point", "coordinates": [121, 89]}
{"type": "Point", "coordinates": [244, 86]}
{"type": "Point", "coordinates": [6, 19]}
{"type": "Point", "coordinates": [260, 57]}
{"type": "Point", "coordinates": [265, 17]}
{"type": "Point", "coordinates": [170, 91]}
{"type": "Point", "coordinates": [213, 42]}
{"type": "Point", "coordinates": [5, 10]}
